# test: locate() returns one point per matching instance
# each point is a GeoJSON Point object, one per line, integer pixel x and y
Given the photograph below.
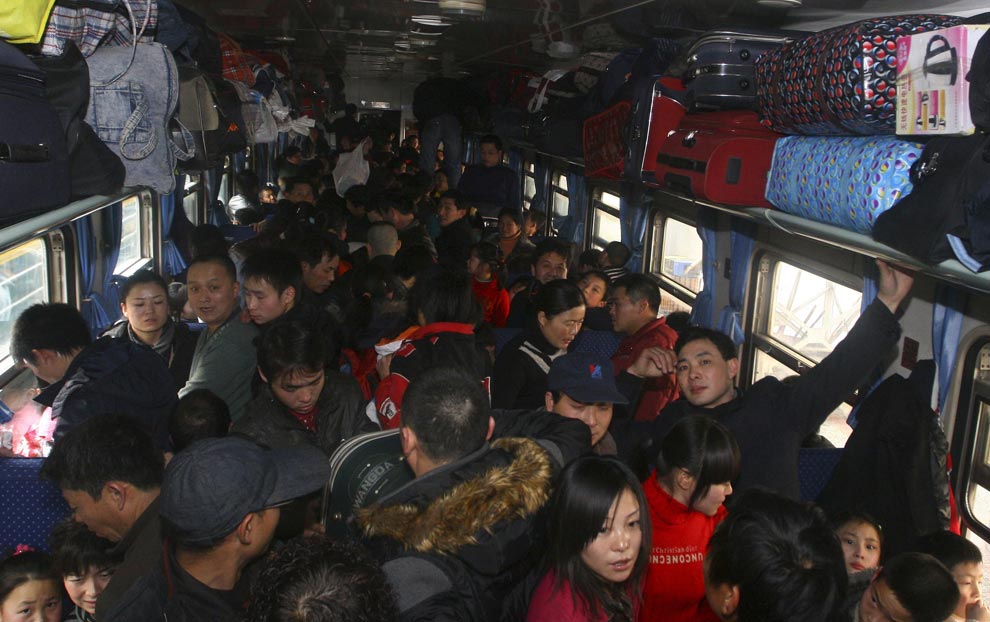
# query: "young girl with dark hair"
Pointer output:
{"type": "Point", "coordinates": [30, 589]}
{"type": "Point", "coordinates": [697, 462]}
{"type": "Point", "coordinates": [84, 561]}
{"type": "Point", "coordinates": [522, 366]}
{"type": "Point", "coordinates": [486, 282]}
{"type": "Point", "coordinates": [599, 544]}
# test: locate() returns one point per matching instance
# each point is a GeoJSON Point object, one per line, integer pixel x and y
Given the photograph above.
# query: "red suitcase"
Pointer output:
{"type": "Point", "coordinates": [723, 157]}
{"type": "Point", "coordinates": [657, 109]}
{"type": "Point", "coordinates": [604, 142]}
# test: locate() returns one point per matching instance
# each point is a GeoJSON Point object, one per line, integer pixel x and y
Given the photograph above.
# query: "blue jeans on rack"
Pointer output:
{"type": "Point", "coordinates": [446, 129]}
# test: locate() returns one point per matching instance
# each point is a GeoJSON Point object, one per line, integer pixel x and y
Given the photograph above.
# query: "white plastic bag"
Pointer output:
{"type": "Point", "coordinates": [352, 169]}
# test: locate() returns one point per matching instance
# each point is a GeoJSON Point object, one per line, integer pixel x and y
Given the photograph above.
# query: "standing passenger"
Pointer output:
{"type": "Point", "coordinates": [490, 186]}
{"type": "Point", "coordinates": [456, 234]}
{"type": "Point", "coordinates": [224, 361]}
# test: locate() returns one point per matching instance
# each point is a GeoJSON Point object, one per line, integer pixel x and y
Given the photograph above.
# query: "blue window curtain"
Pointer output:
{"type": "Point", "coordinates": [542, 178]}
{"type": "Point", "coordinates": [172, 261]}
{"type": "Point", "coordinates": [571, 227]}
{"type": "Point", "coordinates": [240, 161]}
{"type": "Point", "coordinates": [217, 214]}
{"type": "Point", "coordinates": [870, 289]}
{"type": "Point", "coordinates": [91, 307]}
{"type": "Point", "coordinates": [703, 311]}
{"type": "Point", "coordinates": [516, 164]}
{"type": "Point", "coordinates": [947, 319]}
{"type": "Point", "coordinates": [634, 216]}
{"type": "Point", "coordinates": [113, 225]}
{"type": "Point", "coordinates": [742, 241]}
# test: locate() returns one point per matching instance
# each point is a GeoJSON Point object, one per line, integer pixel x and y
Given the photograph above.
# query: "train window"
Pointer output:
{"type": "Point", "coordinates": [131, 233]}
{"type": "Point", "coordinates": [225, 180]}
{"type": "Point", "coordinates": [560, 198]}
{"type": "Point", "coordinates": [23, 282]}
{"type": "Point", "coordinates": [606, 225]}
{"type": "Point", "coordinates": [975, 501]}
{"type": "Point", "coordinates": [806, 316]}
{"type": "Point", "coordinates": [677, 261]}
{"type": "Point", "coordinates": [190, 203]}
{"type": "Point", "coordinates": [529, 185]}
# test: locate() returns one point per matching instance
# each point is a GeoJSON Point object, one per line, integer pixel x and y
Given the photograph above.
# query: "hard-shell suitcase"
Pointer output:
{"type": "Point", "coordinates": [721, 67]}
{"type": "Point", "coordinates": [363, 469]}
{"type": "Point", "coordinates": [722, 157]}
{"type": "Point", "coordinates": [34, 159]}
{"type": "Point", "coordinates": [604, 142]}
{"type": "Point", "coordinates": [839, 81]}
{"type": "Point", "coordinates": [842, 180]}
{"type": "Point", "coordinates": [657, 108]}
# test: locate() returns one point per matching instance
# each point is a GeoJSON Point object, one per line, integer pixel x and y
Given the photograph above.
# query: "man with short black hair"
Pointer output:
{"type": "Point", "coordinates": [401, 212]}
{"type": "Point", "coordinates": [582, 386]}
{"type": "Point", "coordinates": [299, 190]}
{"type": "Point", "coordinates": [551, 258]}
{"type": "Point", "coordinates": [634, 303]}
{"type": "Point", "coordinates": [224, 359]}
{"type": "Point", "coordinates": [490, 185]}
{"type": "Point", "coordinates": [87, 378]}
{"type": "Point", "coordinates": [456, 234]}
{"type": "Point", "coordinates": [110, 474]}
{"type": "Point", "coordinates": [219, 508]}
{"type": "Point", "coordinates": [455, 540]}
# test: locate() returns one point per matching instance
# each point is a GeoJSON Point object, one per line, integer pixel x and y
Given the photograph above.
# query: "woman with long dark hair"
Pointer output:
{"type": "Point", "coordinates": [599, 543]}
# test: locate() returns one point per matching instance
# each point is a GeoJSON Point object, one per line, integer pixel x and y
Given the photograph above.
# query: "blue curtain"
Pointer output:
{"type": "Point", "coordinates": [947, 319]}
{"type": "Point", "coordinates": [516, 164]}
{"type": "Point", "coordinates": [92, 308]}
{"type": "Point", "coordinates": [730, 318]}
{"type": "Point", "coordinates": [113, 225]}
{"type": "Point", "coordinates": [172, 261]}
{"type": "Point", "coordinates": [703, 312]}
{"type": "Point", "coordinates": [870, 289]}
{"type": "Point", "coordinates": [240, 161]}
{"type": "Point", "coordinates": [571, 227]}
{"type": "Point", "coordinates": [634, 216]}
{"type": "Point", "coordinates": [217, 214]}
{"type": "Point", "coordinates": [541, 173]}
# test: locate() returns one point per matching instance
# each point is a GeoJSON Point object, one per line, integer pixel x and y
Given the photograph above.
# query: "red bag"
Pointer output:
{"type": "Point", "coordinates": [722, 157]}
{"type": "Point", "coordinates": [604, 142]}
{"type": "Point", "coordinates": [235, 65]}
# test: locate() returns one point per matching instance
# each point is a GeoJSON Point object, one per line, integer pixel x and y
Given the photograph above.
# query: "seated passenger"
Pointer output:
{"type": "Point", "coordinates": [534, 224]}
{"type": "Point", "coordinates": [490, 185]}
{"type": "Point", "coordinates": [521, 367]}
{"type": "Point", "coordinates": [613, 260]}
{"type": "Point", "coordinates": [301, 402]}
{"type": "Point", "coordinates": [581, 386]}
{"type": "Point", "coordinates": [199, 414]}
{"type": "Point", "coordinates": [319, 261]}
{"type": "Point", "coordinates": [765, 531]}
{"type": "Point", "coordinates": [87, 378]}
{"type": "Point", "coordinates": [30, 588]}
{"type": "Point", "coordinates": [224, 360]}
{"type": "Point", "coordinates": [599, 545]}
{"type": "Point", "coordinates": [594, 285]}
{"type": "Point", "coordinates": [550, 259]}
{"type": "Point", "coordinates": [911, 587]}
{"type": "Point", "coordinates": [454, 540]}
{"type": "Point", "coordinates": [445, 310]}
{"type": "Point", "coordinates": [771, 418]}
{"type": "Point", "coordinates": [456, 234]}
{"type": "Point", "coordinates": [144, 303]}
{"type": "Point", "coordinates": [401, 212]}
{"type": "Point", "coordinates": [85, 563]}
{"type": "Point", "coordinates": [484, 266]}
{"type": "Point", "coordinates": [695, 467]}
{"type": "Point", "coordinates": [589, 260]}
{"type": "Point", "coordinates": [110, 475]}
{"type": "Point", "coordinates": [510, 239]}
{"type": "Point", "coordinates": [634, 304]}
{"type": "Point", "coordinates": [219, 507]}
{"type": "Point", "coordinates": [316, 579]}
{"type": "Point", "coordinates": [862, 544]}
{"type": "Point", "coordinates": [965, 562]}
{"type": "Point", "coordinates": [247, 197]}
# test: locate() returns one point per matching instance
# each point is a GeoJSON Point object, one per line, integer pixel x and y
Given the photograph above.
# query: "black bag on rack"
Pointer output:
{"type": "Point", "coordinates": [210, 110]}
{"type": "Point", "coordinates": [93, 167]}
{"type": "Point", "coordinates": [34, 161]}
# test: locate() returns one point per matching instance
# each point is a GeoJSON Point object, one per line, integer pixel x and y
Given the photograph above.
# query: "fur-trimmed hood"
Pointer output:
{"type": "Point", "coordinates": [500, 494]}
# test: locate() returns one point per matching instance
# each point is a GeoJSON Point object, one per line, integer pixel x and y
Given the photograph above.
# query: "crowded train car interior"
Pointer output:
{"type": "Point", "coordinates": [241, 116]}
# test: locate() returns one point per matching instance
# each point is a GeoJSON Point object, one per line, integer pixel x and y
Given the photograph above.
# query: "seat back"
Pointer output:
{"type": "Point", "coordinates": [29, 505]}
{"type": "Point", "coordinates": [815, 467]}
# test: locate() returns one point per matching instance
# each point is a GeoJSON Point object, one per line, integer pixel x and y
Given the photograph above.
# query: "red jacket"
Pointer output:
{"type": "Point", "coordinates": [675, 582]}
{"type": "Point", "coordinates": [559, 606]}
{"type": "Point", "coordinates": [438, 344]}
{"type": "Point", "coordinates": [494, 301]}
{"type": "Point", "coordinates": [657, 392]}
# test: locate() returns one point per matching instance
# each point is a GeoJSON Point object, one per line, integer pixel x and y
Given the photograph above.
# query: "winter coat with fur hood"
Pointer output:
{"type": "Point", "coordinates": [455, 541]}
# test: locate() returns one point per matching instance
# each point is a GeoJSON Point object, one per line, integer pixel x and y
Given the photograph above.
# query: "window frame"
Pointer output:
{"type": "Point", "coordinates": [146, 235]}
{"type": "Point", "coordinates": [973, 470]}
{"type": "Point", "coordinates": [555, 190]}
{"type": "Point", "coordinates": [529, 175]}
{"type": "Point", "coordinates": [668, 286]}
{"type": "Point", "coordinates": [54, 253]}
{"type": "Point", "coordinates": [598, 206]}
{"type": "Point", "coordinates": [195, 188]}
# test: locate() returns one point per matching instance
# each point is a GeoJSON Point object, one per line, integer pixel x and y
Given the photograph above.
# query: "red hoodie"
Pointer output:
{"type": "Point", "coordinates": [675, 582]}
{"type": "Point", "coordinates": [494, 301]}
{"type": "Point", "coordinates": [657, 392]}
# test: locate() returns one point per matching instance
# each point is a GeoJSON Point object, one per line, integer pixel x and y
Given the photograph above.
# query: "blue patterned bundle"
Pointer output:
{"type": "Point", "coordinates": [844, 181]}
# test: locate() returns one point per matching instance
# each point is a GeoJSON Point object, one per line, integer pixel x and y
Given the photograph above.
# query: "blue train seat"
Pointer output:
{"type": "Point", "coordinates": [601, 342]}
{"type": "Point", "coordinates": [815, 467]}
{"type": "Point", "coordinates": [29, 505]}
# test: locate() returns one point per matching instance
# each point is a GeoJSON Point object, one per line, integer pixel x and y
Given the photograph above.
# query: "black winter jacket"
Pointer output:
{"type": "Point", "coordinates": [521, 370]}
{"type": "Point", "coordinates": [455, 541]}
{"type": "Point", "coordinates": [113, 376]}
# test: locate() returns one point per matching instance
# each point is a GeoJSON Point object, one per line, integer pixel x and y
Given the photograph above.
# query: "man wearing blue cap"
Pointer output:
{"type": "Point", "coordinates": [219, 506]}
{"type": "Point", "coordinates": [582, 386]}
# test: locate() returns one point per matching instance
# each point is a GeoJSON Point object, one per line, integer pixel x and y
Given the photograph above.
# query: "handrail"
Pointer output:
{"type": "Point", "coordinates": [25, 230]}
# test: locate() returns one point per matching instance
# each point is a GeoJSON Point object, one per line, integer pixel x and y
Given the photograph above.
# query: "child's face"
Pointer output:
{"type": "Point", "coordinates": [968, 576]}
{"type": "Point", "coordinates": [860, 546]}
{"type": "Point", "coordinates": [33, 601]}
{"type": "Point", "coordinates": [83, 590]}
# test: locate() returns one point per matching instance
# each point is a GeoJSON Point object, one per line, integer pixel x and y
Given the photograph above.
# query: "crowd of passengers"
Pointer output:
{"type": "Point", "coordinates": [192, 440]}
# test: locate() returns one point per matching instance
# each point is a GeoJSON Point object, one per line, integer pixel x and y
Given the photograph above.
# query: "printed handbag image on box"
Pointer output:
{"type": "Point", "coordinates": [604, 142]}
{"type": "Point", "coordinates": [843, 181]}
{"type": "Point", "coordinates": [841, 81]}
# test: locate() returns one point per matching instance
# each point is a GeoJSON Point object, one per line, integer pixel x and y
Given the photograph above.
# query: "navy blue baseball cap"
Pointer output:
{"type": "Point", "coordinates": [585, 377]}
{"type": "Point", "coordinates": [210, 486]}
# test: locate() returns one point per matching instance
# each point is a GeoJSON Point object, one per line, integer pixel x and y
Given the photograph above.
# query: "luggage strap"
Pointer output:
{"type": "Point", "coordinates": [686, 164]}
